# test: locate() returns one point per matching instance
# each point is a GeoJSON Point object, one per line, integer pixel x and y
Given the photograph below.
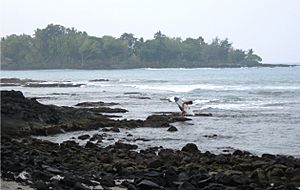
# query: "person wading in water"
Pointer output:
{"type": "Point", "coordinates": [183, 105]}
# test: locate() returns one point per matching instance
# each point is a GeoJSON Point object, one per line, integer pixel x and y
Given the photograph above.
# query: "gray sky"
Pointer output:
{"type": "Point", "coordinates": [270, 27]}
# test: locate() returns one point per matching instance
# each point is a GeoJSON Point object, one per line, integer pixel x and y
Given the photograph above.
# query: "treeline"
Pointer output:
{"type": "Point", "coordinates": [57, 47]}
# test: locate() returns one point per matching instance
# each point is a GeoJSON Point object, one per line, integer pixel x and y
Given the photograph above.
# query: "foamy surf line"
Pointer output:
{"type": "Point", "coordinates": [191, 87]}
{"type": "Point", "coordinates": [177, 88]}
{"type": "Point", "coordinates": [180, 69]}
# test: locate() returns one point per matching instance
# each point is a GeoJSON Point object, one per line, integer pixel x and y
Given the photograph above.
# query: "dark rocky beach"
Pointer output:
{"type": "Point", "coordinates": [47, 165]}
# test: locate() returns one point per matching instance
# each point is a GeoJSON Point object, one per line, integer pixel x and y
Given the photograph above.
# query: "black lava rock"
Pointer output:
{"type": "Point", "coordinates": [84, 137]}
{"type": "Point", "coordinates": [172, 129]}
{"type": "Point", "coordinates": [190, 148]}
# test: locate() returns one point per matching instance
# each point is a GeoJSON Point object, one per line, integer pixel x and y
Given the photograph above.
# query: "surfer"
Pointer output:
{"type": "Point", "coordinates": [183, 105]}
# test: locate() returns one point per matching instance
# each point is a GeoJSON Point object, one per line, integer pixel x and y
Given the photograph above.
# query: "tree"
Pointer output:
{"type": "Point", "coordinates": [252, 58]}
{"type": "Point", "coordinates": [89, 49]}
{"type": "Point", "coordinates": [236, 56]}
{"type": "Point", "coordinates": [158, 35]}
{"type": "Point", "coordinates": [114, 49]}
{"type": "Point", "coordinates": [17, 49]}
{"type": "Point", "coordinates": [57, 47]}
{"type": "Point", "coordinates": [192, 50]}
{"type": "Point", "coordinates": [131, 41]}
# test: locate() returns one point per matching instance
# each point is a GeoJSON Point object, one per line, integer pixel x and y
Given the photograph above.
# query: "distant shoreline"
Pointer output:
{"type": "Point", "coordinates": [213, 67]}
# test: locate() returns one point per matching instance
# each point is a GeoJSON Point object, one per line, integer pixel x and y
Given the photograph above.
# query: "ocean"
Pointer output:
{"type": "Point", "coordinates": [254, 109]}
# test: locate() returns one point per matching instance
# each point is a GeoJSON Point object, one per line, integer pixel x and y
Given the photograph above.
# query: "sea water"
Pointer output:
{"type": "Point", "coordinates": [254, 109]}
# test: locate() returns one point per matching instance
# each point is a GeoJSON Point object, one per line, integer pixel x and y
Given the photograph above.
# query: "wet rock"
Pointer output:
{"type": "Point", "coordinates": [41, 185]}
{"type": "Point", "coordinates": [258, 175]}
{"type": "Point", "coordinates": [211, 136]}
{"type": "Point", "coordinates": [54, 130]}
{"type": "Point", "coordinates": [277, 172]}
{"type": "Point", "coordinates": [95, 104]}
{"type": "Point", "coordinates": [120, 145]}
{"type": "Point", "coordinates": [42, 175]}
{"type": "Point", "coordinates": [140, 97]}
{"type": "Point", "coordinates": [105, 129]}
{"type": "Point", "coordinates": [147, 184]}
{"type": "Point", "coordinates": [204, 182]}
{"type": "Point", "coordinates": [172, 129]}
{"type": "Point", "coordinates": [268, 156]}
{"type": "Point", "coordinates": [170, 175]}
{"type": "Point", "coordinates": [153, 174]}
{"type": "Point", "coordinates": [155, 163]}
{"type": "Point", "coordinates": [130, 93]}
{"type": "Point", "coordinates": [186, 185]}
{"type": "Point", "coordinates": [190, 148]}
{"type": "Point", "coordinates": [62, 94]}
{"type": "Point", "coordinates": [222, 178]}
{"type": "Point", "coordinates": [240, 179]}
{"type": "Point", "coordinates": [128, 185]}
{"type": "Point", "coordinates": [61, 167]}
{"type": "Point", "coordinates": [204, 114]}
{"type": "Point", "coordinates": [90, 145]}
{"type": "Point", "coordinates": [84, 137]}
{"type": "Point", "coordinates": [11, 80]}
{"type": "Point", "coordinates": [157, 121]}
{"type": "Point", "coordinates": [179, 119]}
{"type": "Point", "coordinates": [80, 186]}
{"type": "Point", "coordinates": [9, 84]}
{"type": "Point", "coordinates": [16, 81]}
{"type": "Point", "coordinates": [163, 120]}
{"type": "Point", "coordinates": [107, 180]}
{"type": "Point", "coordinates": [69, 181]}
{"type": "Point", "coordinates": [112, 116]}
{"type": "Point", "coordinates": [240, 153]}
{"type": "Point", "coordinates": [24, 116]}
{"type": "Point", "coordinates": [52, 170]}
{"type": "Point", "coordinates": [183, 176]}
{"type": "Point", "coordinates": [105, 157]}
{"type": "Point", "coordinates": [115, 129]}
{"type": "Point", "coordinates": [104, 110]}
{"type": "Point", "coordinates": [141, 139]}
{"type": "Point", "coordinates": [53, 85]}
{"type": "Point", "coordinates": [296, 178]}
{"type": "Point", "coordinates": [166, 154]}
{"type": "Point", "coordinates": [259, 163]}
{"type": "Point", "coordinates": [232, 172]}
{"type": "Point", "coordinates": [99, 80]}
{"type": "Point", "coordinates": [96, 137]}
{"type": "Point", "coordinates": [20, 115]}
{"type": "Point", "coordinates": [69, 144]}
{"type": "Point", "coordinates": [215, 186]}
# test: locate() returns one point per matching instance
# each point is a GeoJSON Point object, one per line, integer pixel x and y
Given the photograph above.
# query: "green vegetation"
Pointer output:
{"type": "Point", "coordinates": [57, 47]}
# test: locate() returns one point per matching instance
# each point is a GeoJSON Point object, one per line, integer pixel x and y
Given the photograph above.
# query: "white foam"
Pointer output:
{"type": "Point", "coordinates": [196, 102]}
{"type": "Point", "coordinates": [179, 69]}
{"type": "Point", "coordinates": [190, 87]}
{"type": "Point", "coordinates": [97, 84]}
{"type": "Point", "coordinates": [177, 87]}
{"type": "Point", "coordinates": [234, 106]}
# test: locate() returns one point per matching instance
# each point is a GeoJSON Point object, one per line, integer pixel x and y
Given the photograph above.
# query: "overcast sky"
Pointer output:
{"type": "Point", "coordinates": [270, 27]}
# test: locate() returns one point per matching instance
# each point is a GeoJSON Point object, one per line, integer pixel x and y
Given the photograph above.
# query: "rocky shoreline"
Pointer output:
{"type": "Point", "coordinates": [48, 165]}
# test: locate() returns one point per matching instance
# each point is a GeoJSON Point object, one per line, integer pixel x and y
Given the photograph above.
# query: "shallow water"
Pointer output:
{"type": "Point", "coordinates": [254, 109]}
